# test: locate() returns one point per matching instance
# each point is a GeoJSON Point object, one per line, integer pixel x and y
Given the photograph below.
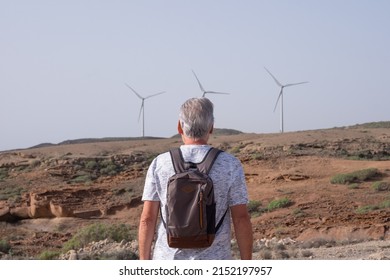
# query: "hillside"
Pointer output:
{"type": "Point", "coordinates": [48, 193]}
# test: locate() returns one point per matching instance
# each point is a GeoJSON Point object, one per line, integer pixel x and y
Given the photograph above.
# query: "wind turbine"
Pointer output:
{"type": "Point", "coordinates": [206, 91]}
{"type": "Point", "coordinates": [142, 109]}
{"type": "Point", "coordinates": [281, 97]}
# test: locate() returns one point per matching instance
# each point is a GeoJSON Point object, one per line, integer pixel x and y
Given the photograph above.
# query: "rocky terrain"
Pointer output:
{"type": "Point", "coordinates": [48, 193]}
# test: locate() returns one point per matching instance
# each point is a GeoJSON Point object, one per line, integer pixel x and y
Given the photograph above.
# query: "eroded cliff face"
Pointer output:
{"type": "Point", "coordinates": [84, 203]}
{"type": "Point", "coordinates": [34, 186]}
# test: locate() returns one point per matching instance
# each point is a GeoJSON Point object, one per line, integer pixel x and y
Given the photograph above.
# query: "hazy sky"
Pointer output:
{"type": "Point", "coordinates": [64, 65]}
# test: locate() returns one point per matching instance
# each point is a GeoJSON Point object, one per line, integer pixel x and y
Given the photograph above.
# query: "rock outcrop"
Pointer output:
{"type": "Point", "coordinates": [81, 203]}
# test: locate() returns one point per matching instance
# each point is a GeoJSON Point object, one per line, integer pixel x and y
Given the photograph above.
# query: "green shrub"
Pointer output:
{"type": "Point", "coordinates": [109, 170]}
{"type": "Point", "coordinates": [97, 232]}
{"type": "Point", "coordinates": [279, 203]}
{"type": "Point", "coordinates": [385, 204]}
{"type": "Point", "coordinates": [253, 206]}
{"type": "Point", "coordinates": [365, 209]}
{"type": "Point", "coordinates": [257, 156]}
{"type": "Point", "coordinates": [11, 193]}
{"type": "Point", "coordinates": [355, 177]}
{"type": "Point", "coordinates": [353, 186]}
{"type": "Point", "coordinates": [86, 178]}
{"type": "Point", "coordinates": [368, 208]}
{"type": "Point", "coordinates": [381, 186]}
{"type": "Point", "coordinates": [237, 149]}
{"type": "Point", "coordinates": [5, 247]}
{"type": "Point", "coordinates": [3, 174]}
{"type": "Point", "coordinates": [366, 174]}
{"type": "Point", "coordinates": [342, 179]}
{"type": "Point", "coordinates": [48, 255]}
{"type": "Point", "coordinates": [92, 164]}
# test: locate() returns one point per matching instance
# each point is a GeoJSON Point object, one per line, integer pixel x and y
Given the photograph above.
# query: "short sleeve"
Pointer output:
{"type": "Point", "coordinates": [150, 188]}
{"type": "Point", "coordinates": [238, 193]}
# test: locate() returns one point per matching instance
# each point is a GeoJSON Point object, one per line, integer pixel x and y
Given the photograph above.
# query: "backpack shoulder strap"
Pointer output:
{"type": "Point", "coordinates": [205, 166]}
{"type": "Point", "coordinates": [178, 161]}
{"type": "Point", "coordinates": [221, 221]}
{"type": "Point", "coordinates": [209, 159]}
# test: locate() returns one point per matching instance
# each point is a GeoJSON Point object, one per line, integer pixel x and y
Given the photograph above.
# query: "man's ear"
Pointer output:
{"type": "Point", "coordinates": [211, 129]}
{"type": "Point", "coordinates": [179, 128]}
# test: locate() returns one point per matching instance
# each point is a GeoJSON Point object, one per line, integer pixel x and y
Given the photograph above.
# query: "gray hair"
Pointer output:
{"type": "Point", "coordinates": [196, 117]}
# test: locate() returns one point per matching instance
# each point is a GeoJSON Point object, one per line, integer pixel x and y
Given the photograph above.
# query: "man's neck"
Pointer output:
{"type": "Point", "coordinates": [189, 141]}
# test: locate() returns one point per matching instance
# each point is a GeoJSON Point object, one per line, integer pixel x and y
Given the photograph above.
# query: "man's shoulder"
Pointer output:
{"type": "Point", "coordinates": [163, 155]}
{"type": "Point", "coordinates": [162, 158]}
{"type": "Point", "coordinates": [225, 156]}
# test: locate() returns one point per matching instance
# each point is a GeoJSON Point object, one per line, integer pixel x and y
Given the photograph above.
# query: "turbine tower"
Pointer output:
{"type": "Point", "coordinates": [206, 91]}
{"type": "Point", "coordinates": [142, 109]}
{"type": "Point", "coordinates": [280, 97]}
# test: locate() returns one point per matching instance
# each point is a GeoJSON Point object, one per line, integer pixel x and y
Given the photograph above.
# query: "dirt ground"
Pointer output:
{"type": "Point", "coordinates": [64, 187]}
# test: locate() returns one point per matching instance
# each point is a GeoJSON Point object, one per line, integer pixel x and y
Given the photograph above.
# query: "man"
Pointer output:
{"type": "Point", "coordinates": [196, 122]}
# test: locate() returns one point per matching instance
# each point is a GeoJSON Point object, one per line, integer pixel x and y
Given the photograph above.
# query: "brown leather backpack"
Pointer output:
{"type": "Point", "coordinates": [190, 220]}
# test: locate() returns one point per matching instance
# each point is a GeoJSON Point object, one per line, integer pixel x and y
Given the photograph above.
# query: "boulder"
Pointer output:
{"type": "Point", "coordinates": [20, 212]}
{"type": "Point", "coordinates": [60, 210]}
{"type": "Point", "coordinates": [39, 207]}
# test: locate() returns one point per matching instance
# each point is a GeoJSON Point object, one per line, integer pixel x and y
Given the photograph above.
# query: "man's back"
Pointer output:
{"type": "Point", "coordinates": [229, 189]}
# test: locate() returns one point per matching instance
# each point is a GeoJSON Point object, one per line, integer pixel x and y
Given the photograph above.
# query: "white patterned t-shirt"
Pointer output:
{"type": "Point", "coordinates": [229, 190]}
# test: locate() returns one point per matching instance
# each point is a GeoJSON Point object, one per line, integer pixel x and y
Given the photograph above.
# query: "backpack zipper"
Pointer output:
{"type": "Point", "coordinates": [201, 209]}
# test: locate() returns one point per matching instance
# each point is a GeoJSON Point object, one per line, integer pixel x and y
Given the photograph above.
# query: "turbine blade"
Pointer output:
{"type": "Point", "coordinates": [136, 93]}
{"type": "Point", "coordinates": [216, 92]}
{"type": "Point", "coordinates": [294, 84]}
{"type": "Point", "coordinates": [154, 94]}
{"type": "Point", "coordinates": [140, 110]}
{"type": "Point", "coordinates": [200, 85]}
{"type": "Point", "coordinates": [276, 81]}
{"type": "Point", "coordinates": [277, 101]}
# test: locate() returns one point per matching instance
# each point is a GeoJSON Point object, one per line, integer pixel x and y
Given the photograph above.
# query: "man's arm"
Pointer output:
{"type": "Point", "coordinates": [243, 230]}
{"type": "Point", "coordinates": [147, 227]}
